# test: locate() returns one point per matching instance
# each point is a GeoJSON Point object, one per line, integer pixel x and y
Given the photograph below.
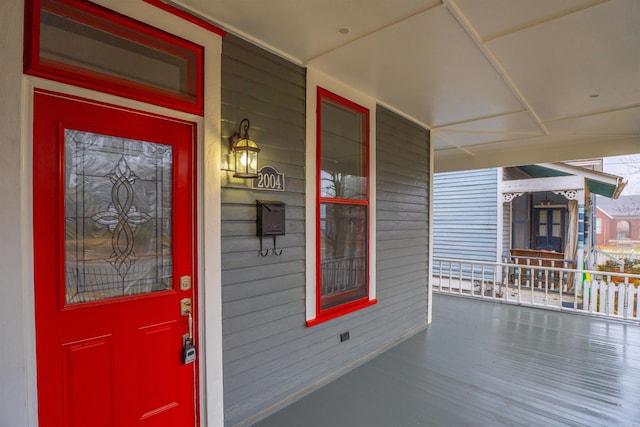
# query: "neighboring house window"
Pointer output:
{"type": "Point", "coordinates": [598, 225]}
{"type": "Point", "coordinates": [623, 229]}
{"type": "Point", "coordinates": [343, 202]}
{"type": "Point", "coordinates": [340, 206]}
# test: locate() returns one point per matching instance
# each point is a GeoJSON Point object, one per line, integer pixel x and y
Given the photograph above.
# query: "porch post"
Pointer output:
{"type": "Point", "coordinates": [580, 251]}
{"type": "Point", "coordinates": [17, 352]}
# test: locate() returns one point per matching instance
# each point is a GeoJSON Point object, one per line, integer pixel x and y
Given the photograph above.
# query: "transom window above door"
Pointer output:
{"type": "Point", "coordinates": [87, 45]}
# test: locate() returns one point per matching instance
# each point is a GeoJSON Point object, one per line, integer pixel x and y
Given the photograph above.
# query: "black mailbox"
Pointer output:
{"type": "Point", "coordinates": [271, 218]}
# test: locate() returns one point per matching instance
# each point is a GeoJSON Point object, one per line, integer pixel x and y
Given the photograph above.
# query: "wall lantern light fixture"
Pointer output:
{"type": "Point", "coordinates": [245, 152]}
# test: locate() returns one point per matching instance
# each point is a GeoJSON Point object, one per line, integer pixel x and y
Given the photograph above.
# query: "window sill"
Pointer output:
{"type": "Point", "coordinates": [340, 311]}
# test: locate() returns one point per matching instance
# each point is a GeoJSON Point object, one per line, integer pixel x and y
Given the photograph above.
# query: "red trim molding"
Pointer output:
{"type": "Point", "coordinates": [341, 311]}
{"type": "Point", "coordinates": [95, 16]}
{"type": "Point", "coordinates": [187, 16]}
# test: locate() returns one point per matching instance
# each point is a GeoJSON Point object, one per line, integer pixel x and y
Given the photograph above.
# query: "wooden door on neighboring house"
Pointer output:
{"type": "Point", "coordinates": [521, 222]}
{"type": "Point", "coordinates": [549, 230]}
{"type": "Point", "coordinates": [114, 233]}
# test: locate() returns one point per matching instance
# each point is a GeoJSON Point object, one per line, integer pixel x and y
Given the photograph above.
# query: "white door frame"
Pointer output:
{"type": "Point", "coordinates": [19, 328]}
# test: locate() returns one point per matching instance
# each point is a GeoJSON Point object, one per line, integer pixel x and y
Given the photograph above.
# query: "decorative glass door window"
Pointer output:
{"type": "Point", "coordinates": [117, 215]}
{"type": "Point", "coordinates": [343, 208]}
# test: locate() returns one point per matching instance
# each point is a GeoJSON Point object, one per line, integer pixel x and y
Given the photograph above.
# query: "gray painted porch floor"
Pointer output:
{"type": "Point", "coordinates": [487, 364]}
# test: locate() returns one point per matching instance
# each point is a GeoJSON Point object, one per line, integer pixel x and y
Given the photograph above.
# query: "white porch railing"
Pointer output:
{"type": "Point", "coordinates": [601, 256]}
{"type": "Point", "coordinates": [343, 275]}
{"type": "Point", "coordinates": [608, 294]}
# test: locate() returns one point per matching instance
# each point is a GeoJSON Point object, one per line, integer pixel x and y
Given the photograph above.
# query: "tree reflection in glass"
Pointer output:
{"type": "Point", "coordinates": [118, 205]}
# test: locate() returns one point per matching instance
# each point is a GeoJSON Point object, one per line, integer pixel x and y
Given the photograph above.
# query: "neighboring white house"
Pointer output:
{"type": "Point", "coordinates": [542, 209]}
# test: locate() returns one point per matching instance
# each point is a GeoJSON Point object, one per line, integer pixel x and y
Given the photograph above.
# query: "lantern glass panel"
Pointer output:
{"type": "Point", "coordinates": [246, 153]}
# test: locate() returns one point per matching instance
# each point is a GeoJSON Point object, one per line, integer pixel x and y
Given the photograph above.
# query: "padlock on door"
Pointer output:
{"type": "Point", "coordinates": [188, 352]}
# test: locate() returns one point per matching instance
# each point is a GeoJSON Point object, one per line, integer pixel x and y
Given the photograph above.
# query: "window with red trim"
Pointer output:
{"type": "Point", "coordinates": [86, 45]}
{"type": "Point", "coordinates": [342, 225]}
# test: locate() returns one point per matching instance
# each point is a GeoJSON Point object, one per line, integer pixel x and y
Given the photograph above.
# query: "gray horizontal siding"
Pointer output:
{"type": "Point", "coordinates": [270, 356]}
{"type": "Point", "coordinates": [465, 215]}
{"type": "Point", "coordinates": [262, 297]}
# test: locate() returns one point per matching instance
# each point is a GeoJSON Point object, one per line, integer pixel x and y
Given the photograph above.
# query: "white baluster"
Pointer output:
{"type": "Point", "coordinates": [603, 296]}
{"type": "Point", "coordinates": [473, 288]}
{"type": "Point", "coordinates": [586, 293]}
{"type": "Point", "coordinates": [593, 296]}
{"type": "Point", "coordinates": [621, 295]}
{"type": "Point", "coordinates": [611, 289]}
{"type": "Point", "coordinates": [534, 283]}
{"type": "Point", "coordinates": [631, 290]}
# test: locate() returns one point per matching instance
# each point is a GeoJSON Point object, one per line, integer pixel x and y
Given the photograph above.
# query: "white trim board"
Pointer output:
{"type": "Point", "coordinates": [316, 78]}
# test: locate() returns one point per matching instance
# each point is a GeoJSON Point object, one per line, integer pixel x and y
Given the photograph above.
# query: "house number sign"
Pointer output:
{"type": "Point", "coordinates": [269, 179]}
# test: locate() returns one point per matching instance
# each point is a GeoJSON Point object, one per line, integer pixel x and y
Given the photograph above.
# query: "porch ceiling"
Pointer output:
{"type": "Point", "coordinates": [498, 82]}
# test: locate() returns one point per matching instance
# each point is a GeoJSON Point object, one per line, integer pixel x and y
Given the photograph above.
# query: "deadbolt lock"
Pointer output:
{"type": "Point", "coordinates": [185, 283]}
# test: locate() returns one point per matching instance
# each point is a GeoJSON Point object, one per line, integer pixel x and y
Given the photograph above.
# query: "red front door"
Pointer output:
{"type": "Point", "coordinates": [114, 239]}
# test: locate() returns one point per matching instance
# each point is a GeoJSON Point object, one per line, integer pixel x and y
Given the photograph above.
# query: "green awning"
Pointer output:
{"type": "Point", "coordinates": [600, 183]}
